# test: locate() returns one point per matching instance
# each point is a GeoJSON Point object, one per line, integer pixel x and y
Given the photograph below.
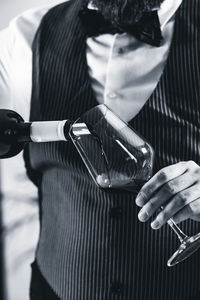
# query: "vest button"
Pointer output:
{"type": "Point", "coordinates": [116, 288]}
{"type": "Point", "coordinates": [120, 51]}
{"type": "Point", "coordinates": [115, 212]}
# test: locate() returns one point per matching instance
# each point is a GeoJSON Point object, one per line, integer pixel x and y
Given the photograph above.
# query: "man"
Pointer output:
{"type": "Point", "coordinates": [141, 59]}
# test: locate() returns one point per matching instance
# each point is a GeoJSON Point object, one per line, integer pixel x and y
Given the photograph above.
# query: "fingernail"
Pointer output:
{"type": "Point", "coordinates": [155, 224]}
{"type": "Point", "coordinates": [139, 199]}
{"type": "Point", "coordinates": [143, 216]}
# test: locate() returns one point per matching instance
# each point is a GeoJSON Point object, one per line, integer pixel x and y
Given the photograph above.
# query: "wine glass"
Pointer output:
{"type": "Point", "coordinates": [117, 157]}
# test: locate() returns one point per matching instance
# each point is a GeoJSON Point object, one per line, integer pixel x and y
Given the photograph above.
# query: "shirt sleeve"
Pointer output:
{"type": "Point", "coordinates": [16, 61]}
{"type": "Point", "coordinates": [5, 65]}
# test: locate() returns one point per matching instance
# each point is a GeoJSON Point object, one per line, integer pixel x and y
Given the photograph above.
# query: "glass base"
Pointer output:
{"type": "Point", "coordinates": [188, 246]}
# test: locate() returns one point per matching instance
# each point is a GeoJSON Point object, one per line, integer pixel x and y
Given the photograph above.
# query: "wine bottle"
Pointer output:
{"type": "Point", "coordinates": [15, 133]}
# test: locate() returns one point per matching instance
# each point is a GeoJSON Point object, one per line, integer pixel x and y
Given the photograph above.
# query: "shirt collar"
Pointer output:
{"type": "Point", "coordinates": [165, 12]}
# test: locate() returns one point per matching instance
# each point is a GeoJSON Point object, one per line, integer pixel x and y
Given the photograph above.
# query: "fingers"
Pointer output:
{"type": "Point", "coordinates": [159, 179]}
{"type": "Point", "coordinates": [176, 188]}
{"type": "Point", "coordinates": [181, 203]}
{"type": "Point", "coordinates": [169, 190]}
{"type": "Point", "coordinates": [191, 211]}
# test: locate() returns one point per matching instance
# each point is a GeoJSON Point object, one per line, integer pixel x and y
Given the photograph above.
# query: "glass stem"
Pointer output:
{"type": "Point", "coordinates": [177, 230]}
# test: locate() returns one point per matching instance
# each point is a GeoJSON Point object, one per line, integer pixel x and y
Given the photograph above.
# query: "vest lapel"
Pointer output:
{"type": "Point", "coordinates": [77, 37]}
{"type": "Point", "coordinates": [60, 59]}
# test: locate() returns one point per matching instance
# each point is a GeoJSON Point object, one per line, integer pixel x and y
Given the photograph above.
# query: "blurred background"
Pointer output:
{"type": "Point", "coordinates": [19, 226]}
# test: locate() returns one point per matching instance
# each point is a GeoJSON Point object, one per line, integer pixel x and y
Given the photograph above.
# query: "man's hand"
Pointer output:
{"type": "Point", "coordinates": [176, 188]}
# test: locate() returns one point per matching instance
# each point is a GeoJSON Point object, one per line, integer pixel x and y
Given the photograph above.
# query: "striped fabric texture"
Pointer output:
{"type": "Point", "coordinates": [92, 246]}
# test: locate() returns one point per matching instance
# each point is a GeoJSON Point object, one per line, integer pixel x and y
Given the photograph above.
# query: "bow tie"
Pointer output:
{"type": "Point", "coordinates": [146, 30]}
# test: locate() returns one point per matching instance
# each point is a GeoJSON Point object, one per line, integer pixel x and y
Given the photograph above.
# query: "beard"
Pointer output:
{"type": "Point", "coordinates": [125, 12]}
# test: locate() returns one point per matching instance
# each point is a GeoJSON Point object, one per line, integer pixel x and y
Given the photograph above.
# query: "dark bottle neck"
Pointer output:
{"type": "Point", "coordinates": [15, 133]}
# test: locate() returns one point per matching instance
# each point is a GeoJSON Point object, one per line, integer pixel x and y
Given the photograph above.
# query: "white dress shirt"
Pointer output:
{"type": "Point", "coordinates": [123, 70]}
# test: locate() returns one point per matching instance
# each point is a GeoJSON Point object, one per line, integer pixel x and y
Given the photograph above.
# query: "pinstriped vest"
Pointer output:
{"type": "Point", "coordinates": [92, 246]}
